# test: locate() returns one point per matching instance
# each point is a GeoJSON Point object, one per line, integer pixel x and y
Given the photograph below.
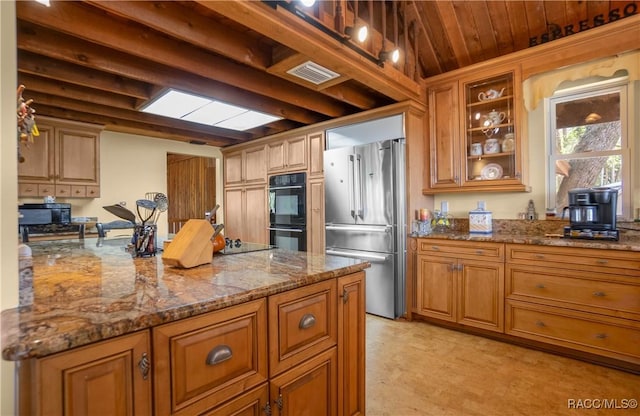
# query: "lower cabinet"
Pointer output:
{"type": "Point", "coordinates": [249, 223]}
{"type": "Point", "coordinates": [299, 352]}
{"type": "Point", "coordinates": [461, 281]}
{"type": "Point", "coordinates": [107, 378]}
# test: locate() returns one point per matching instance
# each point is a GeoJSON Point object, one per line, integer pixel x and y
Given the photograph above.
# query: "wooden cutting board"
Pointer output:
{"type": "Point", "coordinates": [191, 246]}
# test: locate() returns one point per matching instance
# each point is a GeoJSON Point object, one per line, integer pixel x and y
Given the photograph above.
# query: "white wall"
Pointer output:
{"type": "Point", "coordinates": [507, 205]}
{"type": "Point", "coordinates": [8, 186]}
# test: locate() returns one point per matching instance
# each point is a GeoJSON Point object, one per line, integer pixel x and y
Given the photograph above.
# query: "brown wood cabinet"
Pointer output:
{"type": "Point", "coordinates": [106, 378]}
{"type": "Point", "coordinates": [315, 216]}
{"type": "Point", "coordinates": [63, 161]}
{"type": "Point", "coordinates": [246, 166]}
{"type": "Point", "coordinates": [461, 281]}
{"type": "Point", "coordinates": [580, 298]}
{"type": "Point", "coordinates": [316, 154]}
{"type": "Point", "coordinates": [476, 133]}
{"type": "Point", "coordinates": [246, 213]}
{"type": "Point", "coordinates": [287, 155]}
{"type": "Point", "coordinates": [202, 361]}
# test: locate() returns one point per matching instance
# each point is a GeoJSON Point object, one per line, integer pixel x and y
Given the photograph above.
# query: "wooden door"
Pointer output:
{"type": "Point", "coordinates": [234, 218]}
{"type": "Point", "coordinates": [351, 345]}
{"type": "Point", "coordinates": [39, 164]}
{"type": "Point", "coordinates": [255, 165]}
{"type": "Point", "coordinates": [276, 156]}
{"type": "Point", "coordinates": [316, 237]}
{"type": "Point", "coordinates": [444, 136]}
{"type": "Point", "coordinates": [436, 288]}
{"type": "Point", "coordinates": [297, 153]}
{"type": "Point", "coordinates": [101, 379]}
{"type": "Point", "coordinates": [481, 294]}
{"type": "Point", "coordinates": [308, 389]}
{"type": "Point", "coordinates": [77, 156]}
{"type": "Point", "coordinates": [233, 169]}
{"type": "Point", "coordinates": [255, 218]}
{"type": "Point", "coordinates": [316, 153]}
{"type": "Point", "coordinates": [191, 188]}
{"type": "Point", "coordinates": [251, 403]}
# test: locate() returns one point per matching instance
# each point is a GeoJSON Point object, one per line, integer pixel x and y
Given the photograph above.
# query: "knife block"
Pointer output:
{"type": "Point", "coordinates": [191, 246]}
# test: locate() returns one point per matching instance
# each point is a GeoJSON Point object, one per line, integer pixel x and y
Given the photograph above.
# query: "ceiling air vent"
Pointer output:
{"type": "Point", "coordinates": [312, 72]}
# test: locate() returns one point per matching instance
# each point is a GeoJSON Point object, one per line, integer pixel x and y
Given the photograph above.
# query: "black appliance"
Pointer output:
{"type": "Point", "coordinates": [592, 214]}
{"type": "Point", "coordinates": [288, 211]}
{"type": "Point", "coordinates": [44, 214]}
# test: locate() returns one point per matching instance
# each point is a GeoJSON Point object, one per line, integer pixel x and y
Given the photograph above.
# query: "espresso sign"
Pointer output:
{"type": "Point", "coordinates": [556, 31]}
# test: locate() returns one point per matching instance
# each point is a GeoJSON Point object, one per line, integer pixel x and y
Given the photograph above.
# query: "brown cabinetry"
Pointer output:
{"type": "Point", "coordinates": [245, 166]}
{"type": "Point", "coordinates": [287, 155]}
{"type": "Point", "coordinates": [110, 377]}
{"type": "Point", "coordinates": [316, 154]}
{"type": "Point", "coordinates": [476, 133]}
{"type": "Point", "coordinates": [461, 281]}
{"type": "Point", "coordinates": [315, 217]}
{"type": "Point", "coordinates": [246, 213]}
{"type": "Point", "coordinates": [585, 299]}
{"type": "Point", "coordinates": [63, 161]}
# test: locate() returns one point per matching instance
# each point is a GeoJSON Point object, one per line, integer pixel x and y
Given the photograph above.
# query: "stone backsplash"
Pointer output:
{"type": "Point", "coordinates": [537, 227]}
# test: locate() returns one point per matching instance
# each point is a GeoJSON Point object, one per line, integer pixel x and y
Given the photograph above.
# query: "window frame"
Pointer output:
{"type": "Point", "coordinates": [618, 85]}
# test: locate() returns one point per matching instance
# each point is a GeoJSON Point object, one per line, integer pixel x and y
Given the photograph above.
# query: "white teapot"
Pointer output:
{"type": "Point", "coordinates": [493, 118]}
{"type": "Point", "coordinates": [490, 94]}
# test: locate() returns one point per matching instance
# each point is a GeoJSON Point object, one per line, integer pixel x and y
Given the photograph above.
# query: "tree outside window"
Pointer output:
{"type": "Point", "coordinates": [587, 142]}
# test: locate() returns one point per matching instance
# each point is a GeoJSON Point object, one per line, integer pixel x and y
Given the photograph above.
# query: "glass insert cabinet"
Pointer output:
{"type": "Point", "coordinates": [490, 129]}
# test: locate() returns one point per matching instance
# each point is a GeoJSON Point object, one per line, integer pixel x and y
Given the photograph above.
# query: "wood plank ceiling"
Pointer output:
{"type": "Point", "coordinates": [100, 61]}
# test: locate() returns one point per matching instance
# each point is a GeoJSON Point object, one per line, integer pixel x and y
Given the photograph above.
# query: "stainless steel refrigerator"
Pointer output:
{"type": "Point", "coordinates": [365, 217]}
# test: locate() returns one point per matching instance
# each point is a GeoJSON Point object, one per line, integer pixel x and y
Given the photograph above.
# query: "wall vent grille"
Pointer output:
{"type": "Point", "coordinates": [312, 72]}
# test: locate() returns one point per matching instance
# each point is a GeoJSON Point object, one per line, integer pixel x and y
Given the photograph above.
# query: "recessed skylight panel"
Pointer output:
{"type": "Point", "coordinates": [213, 113]}
{"type": "Point", "coordinates": [248, 120]}
{"type": "Point", "coordinates": [175, 104]}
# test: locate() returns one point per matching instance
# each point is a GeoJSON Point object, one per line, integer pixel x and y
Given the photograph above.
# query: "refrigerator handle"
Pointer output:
{"type": "Point", "coordinates": [359, 204]}
{"type": "Point", "coordinates": [370, 257]}
{"type": "Point", "coordinates": [352, 194]}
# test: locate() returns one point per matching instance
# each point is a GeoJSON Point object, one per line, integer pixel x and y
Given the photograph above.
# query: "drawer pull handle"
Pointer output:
{"type": "Point", "coordinates": [219, 354]}
{"type": "Point", "coordinates": [345, 296]}
{"type": "Point", "coordinates": [307, 321]}
{"type": "Point", "coordinates": [540, 324]}
{"type": "Point", "coordinates": [144, 365]}
{"type": "Point", "coordinates": [601, 336]}
{"type": "Point", "coordinates": [602, 261]}
{"type": "Point", "coordinates": [599, 294]}
{"type": "Point", "coordinates": [540, 286]}
{"type": "Point", "coordinates": [435, 248]}
{"type": "Point", "coordinates": [539, 256]}
{"type": "Point", "coordinates": [480, 252]}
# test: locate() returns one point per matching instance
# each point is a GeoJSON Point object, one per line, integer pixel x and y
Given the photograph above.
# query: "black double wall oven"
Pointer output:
{"type": "Point", "coordinates": [288, 211]}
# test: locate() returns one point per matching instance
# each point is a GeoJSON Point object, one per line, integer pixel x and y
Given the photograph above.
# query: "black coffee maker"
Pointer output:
{"type": "Point", "coordinates": [592, 214]}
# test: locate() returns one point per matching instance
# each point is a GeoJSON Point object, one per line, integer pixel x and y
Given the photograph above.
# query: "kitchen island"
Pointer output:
{"type": "Point", "coordinates": [89, 293]}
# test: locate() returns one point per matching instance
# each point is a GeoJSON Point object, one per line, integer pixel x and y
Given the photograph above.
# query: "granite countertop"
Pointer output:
{"type": "Point", "coordinates": [628, 243]}
{"type": "Point", "coordinates": [88, 290]}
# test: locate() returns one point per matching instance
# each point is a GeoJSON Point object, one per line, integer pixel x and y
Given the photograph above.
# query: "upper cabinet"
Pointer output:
{"type": "Point", "coordinates": [245, 166]}
{"type": "Point", "coordinates": [476, 138]}
{"type": "Point", "coordinates": [63, 161]}
{"type": "Point", "coordinates": [287, 155]}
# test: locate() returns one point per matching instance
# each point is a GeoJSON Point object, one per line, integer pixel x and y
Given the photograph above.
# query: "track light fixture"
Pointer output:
{"type": "Point", "coordinates": [359, 33]}
{"type": "Point", "coordinates": [392, 55]}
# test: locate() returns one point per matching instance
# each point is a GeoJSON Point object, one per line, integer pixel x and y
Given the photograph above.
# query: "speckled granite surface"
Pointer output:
{"type": "Point", "coordinates": [534, 232]}
{"type": "Point", "coordinates": [83, 293]}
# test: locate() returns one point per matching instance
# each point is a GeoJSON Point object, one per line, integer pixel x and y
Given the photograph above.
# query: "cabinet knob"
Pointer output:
{"type": "Point", "coordinates": [599, 294]}
{"type": "Point", "coordinates": [540, 286]}
{"type": "Point", "coordinates": [540, 324]}
{"type": "Point", "coordinates": [601, 336]}
{"type": "Point", "coordinates": [602, 261]}
{"type": "Point", "coordinates": [144, 365]}
{"type": "Point", "coordinates": [219, 354]}
{"type": "Point", "coordinates": [480, 252]}
{"type": "Point", "coordinates": [307, 321]}
{"type": "Point", "coordinates": [539, 256]}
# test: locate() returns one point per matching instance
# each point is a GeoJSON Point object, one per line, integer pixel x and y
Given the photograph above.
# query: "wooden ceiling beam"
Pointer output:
{"type": "Point", "coordinates": [292, 31]}
{"type": "Point", "coordinates": [135, 127]}
{"type": "Point", "coordinates": [54, 69]}
{"type": "Point", "coordinates": [34, 38]}
{"type": "Point", "coordinates": [122, 114]}
{"type": "Point", "coordinates": [186, 24]}
{"type": "Point", "coordinates": [76, 20]}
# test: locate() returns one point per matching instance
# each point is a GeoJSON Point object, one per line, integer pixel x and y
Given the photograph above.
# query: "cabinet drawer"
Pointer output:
{"type": "Point", "coordinates": [78, 191]}
{"type": "Point", "coordinates": [250, 403]}
{"type": "Point", "coordinates": [591, 292]}
{"type": "Point", "coordinates": [63, 191]}
{"type": "Point", "coordinates": [202, 361]}
{"type": "Point", "coordinates": [612, 337]}
{"type": "Point", "coordinates": [27, 189]}
{"type": "Point", "coordinates": [476, 250]}
{"type": "Point", "coordinates": [302, 323]}
{"type": "Point", "coordinates": [627, 262]}
{"type": "Point", "coordinates": [93, 191]}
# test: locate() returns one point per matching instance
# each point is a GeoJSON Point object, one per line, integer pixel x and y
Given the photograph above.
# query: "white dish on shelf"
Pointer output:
{"type": "Point", "coordinates": [491, 171]}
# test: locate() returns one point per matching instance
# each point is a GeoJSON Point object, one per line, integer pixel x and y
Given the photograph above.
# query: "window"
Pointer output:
{"type": "Point", "coordinates": [588, 145]}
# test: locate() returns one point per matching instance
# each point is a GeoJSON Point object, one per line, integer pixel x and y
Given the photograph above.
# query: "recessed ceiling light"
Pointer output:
{"type": "Point", "coordinates": [198, 109]}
